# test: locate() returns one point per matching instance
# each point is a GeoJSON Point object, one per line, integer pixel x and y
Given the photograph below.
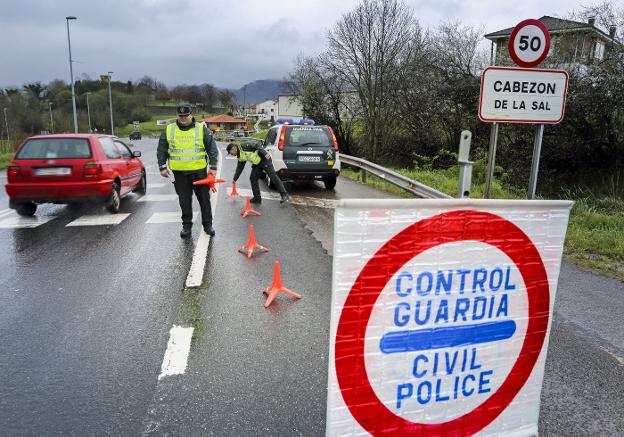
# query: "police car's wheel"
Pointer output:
{"type": "Point", "coordinates": [330, 182]}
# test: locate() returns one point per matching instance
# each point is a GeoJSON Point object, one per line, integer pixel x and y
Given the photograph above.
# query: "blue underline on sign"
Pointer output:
{"type": "Point", "coordinates": [451, 336]}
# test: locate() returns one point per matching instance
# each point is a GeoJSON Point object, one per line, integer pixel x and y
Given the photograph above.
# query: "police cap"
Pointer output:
{"type": "Point", "coordinates": [183, 108]}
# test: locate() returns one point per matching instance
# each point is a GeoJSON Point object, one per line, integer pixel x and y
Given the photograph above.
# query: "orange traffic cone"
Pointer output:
{"type": "Point", "coordinates": [252, 244]}
{"type": "Point", "coordinates": [210, 181]}
{"type": "Point", "coordinates": [277, 287]}
{"type": "Point", "coordinates": [245, 212]}
{"type": "Point", "coordinates": [234, 192]}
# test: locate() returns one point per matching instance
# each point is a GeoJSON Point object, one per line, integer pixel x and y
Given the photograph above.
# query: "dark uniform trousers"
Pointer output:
{"type": "Point", "coordinates": [184, 188]}
{"type": "Point", "coordinates": [265, 165]}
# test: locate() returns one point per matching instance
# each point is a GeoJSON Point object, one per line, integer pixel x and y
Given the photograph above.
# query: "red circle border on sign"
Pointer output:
{"type": "Point", "coordinates": [512, 37]}
{"type": "Point", "coordinates": [449, 227]}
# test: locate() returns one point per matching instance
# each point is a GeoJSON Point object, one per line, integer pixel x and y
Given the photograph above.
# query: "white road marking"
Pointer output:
{"type": "Point", "coordinates": [294, 199]}
{"type": "Point", "coordinates": [99, 220]}
{"type": "Point", "coordinates": [147, 167]}
{"type": "Point", "coordinates": [6, 212]}
{"type": "Point", "coordinates": [158, 198]}
{"type": "Point", "coordinates": [196, 272]}
{"type": "Point", "coordinates": [176, 355]}
{"type": "Point", "coordinates": [18, 222]}
{"type": "Point", "coordinates": [167, 217]}
{"type": "Point", "coordinates": [156, 185]}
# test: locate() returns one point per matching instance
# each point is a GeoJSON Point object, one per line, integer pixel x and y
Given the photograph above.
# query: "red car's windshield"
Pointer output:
{"type": "Point", "coordinates": [55, 148]}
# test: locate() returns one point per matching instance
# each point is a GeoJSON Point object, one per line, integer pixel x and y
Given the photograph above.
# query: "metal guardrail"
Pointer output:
{"type": "Point", "coordinates": [409, 185]}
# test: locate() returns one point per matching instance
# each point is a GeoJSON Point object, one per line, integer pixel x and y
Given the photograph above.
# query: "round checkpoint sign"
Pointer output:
{"type": "Point", "coordinates": [354, 370]}
{"type": "Point", "coordinates": [529, 43]}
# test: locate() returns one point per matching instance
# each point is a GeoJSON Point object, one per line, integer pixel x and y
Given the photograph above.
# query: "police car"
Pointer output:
{"type": "Point", "coordinates": [303, 151]}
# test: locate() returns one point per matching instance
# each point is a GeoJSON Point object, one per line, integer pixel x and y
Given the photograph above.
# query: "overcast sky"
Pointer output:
{"type": "Point", "coordinates": [226, 43]}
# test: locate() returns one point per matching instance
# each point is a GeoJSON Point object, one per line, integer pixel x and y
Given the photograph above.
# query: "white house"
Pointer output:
{"type": "Point", "coordinates": [267, 110]}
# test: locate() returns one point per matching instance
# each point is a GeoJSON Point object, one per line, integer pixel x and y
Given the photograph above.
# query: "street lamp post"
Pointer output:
{"type": "Point", "coordinates": [110, 98]}
{"type": "Point", "coordinates": [71, 75]}
{"type": "Point", "coordinates": [88, 113]}
{"type": "Point", "coordinates": [51, 119]}
{"type": "Point", "coordinates": [6, 123]}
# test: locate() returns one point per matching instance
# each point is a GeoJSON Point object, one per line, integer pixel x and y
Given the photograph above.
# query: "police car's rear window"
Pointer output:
{"type": "Point", "coordinates": [299, 136]}
{"type": "Point", "coordinates": [55, 148]}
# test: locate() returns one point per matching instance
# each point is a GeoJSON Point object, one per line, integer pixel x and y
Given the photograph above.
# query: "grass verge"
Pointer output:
{"type": "Point", "coordinates": [146, 127]}
{"type": "Point", "coordinates": [5, 158]}
{"type": "Point", "coordinates": [595, 235]}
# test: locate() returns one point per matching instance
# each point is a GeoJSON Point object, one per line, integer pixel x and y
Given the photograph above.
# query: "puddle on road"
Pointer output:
{"type": "Point", "coordinates": [320, 223]}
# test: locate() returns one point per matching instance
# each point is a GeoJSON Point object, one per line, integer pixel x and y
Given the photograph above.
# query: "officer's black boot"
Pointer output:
{"type": "Point", "coordinates": [209, 230]}
{"type": "Point", "coordinates": [256, 200]}
{"type": "Point", "coordinates": [186, 231]}
{"type": "Point", "coordinates": [284, 196]}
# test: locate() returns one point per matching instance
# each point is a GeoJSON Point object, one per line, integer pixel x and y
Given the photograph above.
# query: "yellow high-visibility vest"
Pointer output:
{"type": "Point", "coordinates": [248, 156]}
{"type": "Point", "coordinates": [186, 147]}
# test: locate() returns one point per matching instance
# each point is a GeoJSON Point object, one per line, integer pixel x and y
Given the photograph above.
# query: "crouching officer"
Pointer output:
{"type": "Point", "coordinates": [185, 145]}
{"type": "Point", "coordinates": [260, 161]}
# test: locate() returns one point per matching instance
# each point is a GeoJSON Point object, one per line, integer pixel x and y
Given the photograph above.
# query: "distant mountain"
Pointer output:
{"type": "Point", "coordinates": [258, 91]}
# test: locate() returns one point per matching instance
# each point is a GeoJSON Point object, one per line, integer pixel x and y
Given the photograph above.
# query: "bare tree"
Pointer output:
{"type": "Point", "coordinates": [325, 97]}
{"type": "Point", "coordinates": [607, 14]}
{"type": "Point", "coordinates": [208, 95]}
{"type": "Point", "coordinates": [366, 48]}
{"type": "Point", "coordinates": [226, 98]}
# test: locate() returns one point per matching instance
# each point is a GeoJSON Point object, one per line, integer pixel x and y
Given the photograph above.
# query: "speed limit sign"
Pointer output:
{"type": "Point", "coordinates": [529, 43]}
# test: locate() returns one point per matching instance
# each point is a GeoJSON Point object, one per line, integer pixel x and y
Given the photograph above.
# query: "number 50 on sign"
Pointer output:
{"type": "Point", "coordinates": [529, 43]}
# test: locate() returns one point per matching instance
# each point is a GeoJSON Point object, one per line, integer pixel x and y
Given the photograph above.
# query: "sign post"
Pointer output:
{"type": "Point", "coordinates": [441, 313]}
{"type": "Point", "coordinates": [489, 177]}
{"type": "Point", "coordinates": [537, 149]}
{"type": "Point", "coordinates": [523, 95]}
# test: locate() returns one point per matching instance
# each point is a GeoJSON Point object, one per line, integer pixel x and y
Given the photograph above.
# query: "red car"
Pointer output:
{"type": "Point", "coordinates": [73, 168]}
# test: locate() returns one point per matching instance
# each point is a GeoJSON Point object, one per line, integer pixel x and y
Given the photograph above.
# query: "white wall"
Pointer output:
{"type": "Point", "coordinates": [267, 109]}
{"type": "Point", "coordinates": [289, 107]}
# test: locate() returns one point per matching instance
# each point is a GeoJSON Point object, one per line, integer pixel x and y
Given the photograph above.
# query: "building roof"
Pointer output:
{"type": "Point", "coordinates": [223, 118]}
{"type": "Point", "coordinates": [554, 25]}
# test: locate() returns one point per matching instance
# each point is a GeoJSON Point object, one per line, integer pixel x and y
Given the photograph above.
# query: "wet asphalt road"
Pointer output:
{"type": "Point", "coordinates": [85, 314]}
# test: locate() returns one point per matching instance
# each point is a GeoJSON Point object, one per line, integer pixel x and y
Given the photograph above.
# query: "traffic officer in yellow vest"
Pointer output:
{"type": "Point", "coordinates": [189, 147]}
{"type": "Point", "coordinates": [260, 161]}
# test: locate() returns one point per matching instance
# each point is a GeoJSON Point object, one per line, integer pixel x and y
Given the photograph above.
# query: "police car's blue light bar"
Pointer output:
{"type": "Point", "coordinates": [308, 121]}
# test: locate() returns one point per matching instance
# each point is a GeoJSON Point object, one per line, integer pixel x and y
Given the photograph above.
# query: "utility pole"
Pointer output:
{"type": "Point", "coordinates": [71, 75]}
{"type": "Point", "coordinates": [51, 119]}
{"type": "Point", "coordinates": [88, 113]}
{"type": "Point", "coordinates": [110, 98]}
